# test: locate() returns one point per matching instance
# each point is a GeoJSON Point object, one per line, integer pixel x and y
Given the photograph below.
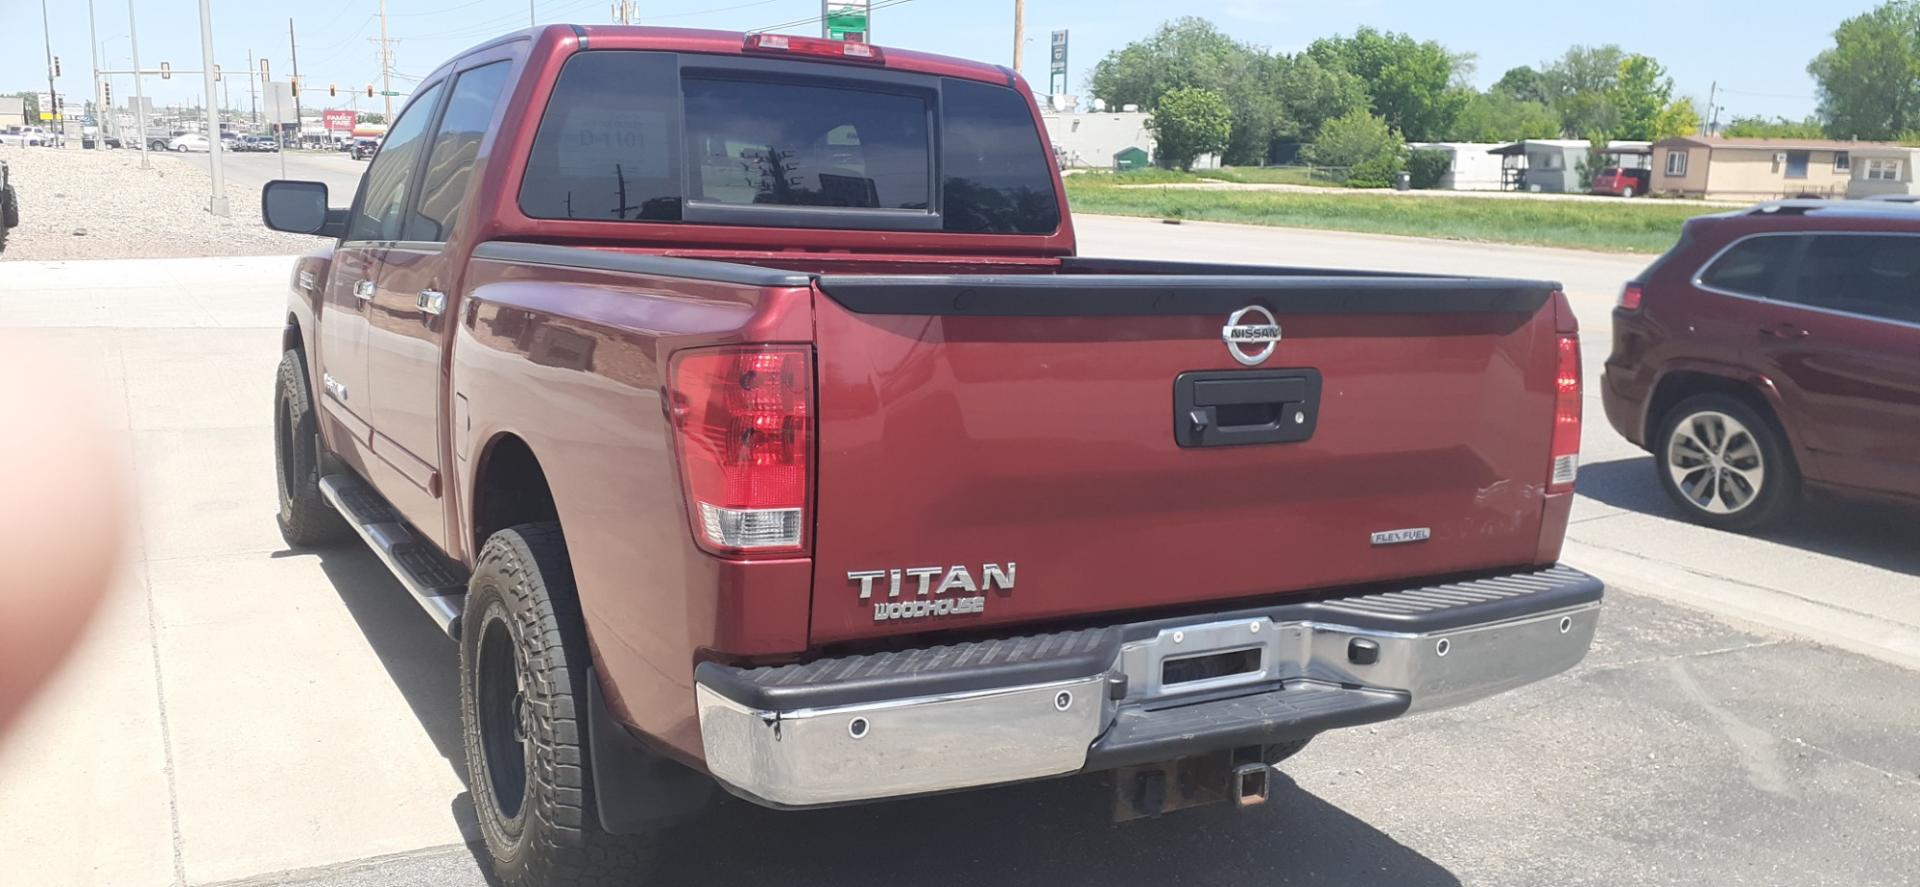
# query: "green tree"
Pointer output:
{"type": "Point", "coordinates": [1523, 83]}
{"type": "Point", "coordinates": [1364, 144]}
{"type": "Point", "coordinates": [1578, 87]}
{"type": "Point", "coordinates": [1187, 123]}
{"type": "Point", "coordinates": [1868, 84]}
{"type": "Point", "coordinates": [1192, 53]}
{"type": "Point", "coordinates": [1777, 128]}
{"type": "Point", "coordinates": [1678, 118]}
{"type": "Point", "coordinates": [1639, 95]}
{"type": "Point", "coordinates": [1425, 168]}
{"type": "Point", "coordinates": [1310, 94]}
{"type": "Point", "coordinates": [1496, 116]}
{"type": "Point", "coordinates": [1411, 83]}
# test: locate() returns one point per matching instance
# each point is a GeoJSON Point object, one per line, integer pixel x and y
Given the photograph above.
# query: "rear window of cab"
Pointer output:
{"type": "Point", "coordinates": [657, 137]}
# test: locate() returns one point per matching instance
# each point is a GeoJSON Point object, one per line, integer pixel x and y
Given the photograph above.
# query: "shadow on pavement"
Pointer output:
{"type": "Point", "coordinates": [1048, 832]}
{"type": "Point", "coordinates": [1056, 832]}
{"type": "Point", "coordinates": [423, 662]}
{"type": "Point", "coordinates": [1879, 534]}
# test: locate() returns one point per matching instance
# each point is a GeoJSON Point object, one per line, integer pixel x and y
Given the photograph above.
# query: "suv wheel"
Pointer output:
{"type": "Point", "coordinates": [1724, 464]}
{"type": "Point", "coordinates": [523, 707]}
{"type": "Point", "coordinates": [1627, 192]}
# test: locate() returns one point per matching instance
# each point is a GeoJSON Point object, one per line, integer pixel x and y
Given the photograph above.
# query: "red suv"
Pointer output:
{"type": "Point", "coordinates": [1621, 181]}
{"type": "Point", "coordinates": [1772, 349]}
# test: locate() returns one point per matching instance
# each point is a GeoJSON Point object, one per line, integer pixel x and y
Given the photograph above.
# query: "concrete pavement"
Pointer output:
{"type": "Point", "coordinates": [244, 713]}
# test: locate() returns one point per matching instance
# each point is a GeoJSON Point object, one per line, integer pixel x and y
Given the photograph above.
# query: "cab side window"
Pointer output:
{"type": "Point", "coordinates": [455, 147]}
{"type": "Point", "coordinates": [389, 180]}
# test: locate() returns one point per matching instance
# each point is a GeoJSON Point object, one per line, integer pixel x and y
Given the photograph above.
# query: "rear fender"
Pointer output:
{"type": "Point", "coordinates": [1673, 373]}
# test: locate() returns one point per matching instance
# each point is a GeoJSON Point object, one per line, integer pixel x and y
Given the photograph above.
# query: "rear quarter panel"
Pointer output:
{"type": "Point", "coordinates": [572, 362]}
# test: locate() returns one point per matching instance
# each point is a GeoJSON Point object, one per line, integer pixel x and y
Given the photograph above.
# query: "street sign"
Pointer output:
{"type": "Point", "coordinates": [276, 102]}
{"type": "Point", "coordinates": [846, 20]}
{"type": "Point", "coordinates": [1057, 67]}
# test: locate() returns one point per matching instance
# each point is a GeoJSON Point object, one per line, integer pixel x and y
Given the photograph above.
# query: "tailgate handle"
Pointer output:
{"type": "Point", "coordinates": [1213, 409]}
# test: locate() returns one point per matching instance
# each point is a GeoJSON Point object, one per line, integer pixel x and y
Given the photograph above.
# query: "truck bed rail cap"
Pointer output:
{"type": "Point", "coordinates": [637, 263]}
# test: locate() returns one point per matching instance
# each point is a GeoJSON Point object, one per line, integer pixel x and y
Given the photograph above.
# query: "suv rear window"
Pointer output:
{"type": "Point", "coordinates": [627, 137]}
{"type": "Point", "coordinates": [1753, 267]}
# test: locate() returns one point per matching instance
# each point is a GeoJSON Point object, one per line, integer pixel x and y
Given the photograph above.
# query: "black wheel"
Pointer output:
{"type": "Point", "coordinates": [523, 704]}
{"type": "Point", "coordinates": [1724, 463]}
{"type": "Point", "coordinates": [306, 519]}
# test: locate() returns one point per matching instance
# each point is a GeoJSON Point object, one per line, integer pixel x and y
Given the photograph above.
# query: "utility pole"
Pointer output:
{"type": "Point", "coordinates": [386, 62]}
{"type": "Point", "coordinates": [1019, 31]}
{"type": "Point", "coordinates": [298, 129]}
{"type": "Point", "coordinates": [53, 98]}
{"type": "Point", "coordinates": [139, 94]}
{"type": "Point", "coordinates": [530, 21]}
{"type": "Point", "coordinates": [253, 95]}
{"type": "Point", "coordinates": [624, 12]}
{"type": "Point", "coordinates": [218, 204]}
{"type": "Point", "coordinates": [1713, 110]}
{"type": "Point", "coordinates": [99, 113]}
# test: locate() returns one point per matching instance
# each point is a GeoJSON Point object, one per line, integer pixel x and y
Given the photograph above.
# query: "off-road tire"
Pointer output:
{"type": "Point", "coordinates": [1779, 490]}
{"type": "Point", "coordinates": [306, 518]}
{"type": "Point", "coordinates": [522, 594]}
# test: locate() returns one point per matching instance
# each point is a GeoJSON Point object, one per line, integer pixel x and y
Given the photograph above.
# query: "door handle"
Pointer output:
{"type": "Point", "coordinates": [363, 290]}
{"type": "Point", "coordinates": [432, 301]}
{"type": "Point", "coordinates": [1783, 331]}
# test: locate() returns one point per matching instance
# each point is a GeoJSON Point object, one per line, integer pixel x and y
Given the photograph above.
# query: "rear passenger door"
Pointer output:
{"type": "Point", "coordinates": [1843, 344]}
{"type": "Point", "coordinates": [414, 304]}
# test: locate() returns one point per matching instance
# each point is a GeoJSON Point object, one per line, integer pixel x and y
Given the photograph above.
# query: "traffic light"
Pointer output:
{"type": "Point", "coordinates": [333, 90]}
{"type": "Point", "coordinates": [216, 73]}
{"type": "Point", "coordinates": [166, 71]}
{"type": "Point", "coordinates": [60, 107]}
{"type": "Point", "coordinates": [109, 87]}
{"type": "Point", "coordinates": [56, 66]}
{"type": "Point", "coordinates": [295, 83]}
{"type": "Point", "coordinates": [369, 90]}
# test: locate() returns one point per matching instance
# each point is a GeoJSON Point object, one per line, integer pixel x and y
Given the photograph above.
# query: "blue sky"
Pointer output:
{"type": "Point", "coordinates": [1761, 69]}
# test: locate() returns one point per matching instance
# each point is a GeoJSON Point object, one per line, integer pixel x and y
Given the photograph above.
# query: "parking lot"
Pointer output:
{"type": "Point", "coordinates": [242, 713]}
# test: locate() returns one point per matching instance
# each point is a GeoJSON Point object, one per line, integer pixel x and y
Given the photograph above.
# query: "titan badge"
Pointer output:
{"type": "Point", "coordinates": [955, 594]}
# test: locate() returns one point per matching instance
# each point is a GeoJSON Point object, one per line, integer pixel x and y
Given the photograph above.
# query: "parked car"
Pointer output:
{"type": "Point", "coordinates": [888, 492]}
{"type": "Point", "coordinates": [9, 206]}
{"type": "Point", "coordinates": [255, 144]}
{"type": "Point", "coordinates": [1772, 351]}
{"type": "Point", "coordinates": [27, 136]}
{"type": "Point", "coordinates": [363, 148]}
{"type": "Point", "coordinates": [1621, 181]}
{"type": "Point", "coordinates": [192, 141]}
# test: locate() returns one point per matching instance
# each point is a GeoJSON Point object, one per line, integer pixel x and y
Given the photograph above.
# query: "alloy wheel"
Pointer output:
{"type": "Point", "coordinates": [1715, 462]}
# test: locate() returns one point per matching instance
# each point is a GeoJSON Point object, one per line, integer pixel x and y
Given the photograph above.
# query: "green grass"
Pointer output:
{"type": "Point", "coordinates": [1631, 227]}
{"type": "Point", "coordinates": [1272, 175]}
{"type": "Point", "coordinates": [1149, 176]}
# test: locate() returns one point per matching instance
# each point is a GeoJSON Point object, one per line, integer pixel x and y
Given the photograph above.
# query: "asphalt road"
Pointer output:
{"type": "Point", "coordinates": [340, 172]}
{"type": "Point", "coordinates": [246, 714]}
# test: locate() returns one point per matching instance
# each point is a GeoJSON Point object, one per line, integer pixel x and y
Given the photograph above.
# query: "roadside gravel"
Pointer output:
{"type": "Point", "coordinates": [77, 204]}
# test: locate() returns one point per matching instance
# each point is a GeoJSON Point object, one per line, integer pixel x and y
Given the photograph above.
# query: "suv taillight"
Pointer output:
{"type": "Point", "coordinates": [743, 422]}
{"type": "Point", "coordinates": [1566, 416]}
{"type": "Point", "coordinates": [1630, 296]}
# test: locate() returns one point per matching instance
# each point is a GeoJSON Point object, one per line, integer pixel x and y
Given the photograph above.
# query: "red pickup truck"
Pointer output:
{"type": "Point", "coordinates": [740, 405]}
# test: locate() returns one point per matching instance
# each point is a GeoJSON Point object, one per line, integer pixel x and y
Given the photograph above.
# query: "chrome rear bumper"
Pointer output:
{"type": "Point", "coordinates": [985, 713]}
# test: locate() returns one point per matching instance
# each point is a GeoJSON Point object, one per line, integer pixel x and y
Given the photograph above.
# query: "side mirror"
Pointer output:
{"type": "Point", "coordinates": [300, 208]}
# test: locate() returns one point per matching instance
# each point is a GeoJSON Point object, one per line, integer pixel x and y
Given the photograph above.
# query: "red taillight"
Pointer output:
{"type": "Point", "coordinates": [1566, 416]}
{"type": "Point", "coordinates": [744, 426]}
{"type": "Point", "coordinates": [1630, 297]}
{"type": "Point", "coordinates": [845, 50]}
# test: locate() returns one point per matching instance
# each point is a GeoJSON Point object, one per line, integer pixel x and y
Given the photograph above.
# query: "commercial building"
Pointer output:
{"type": "Point", "coordinates": [13, 111]}
{"type": "Point", "coordinates": [1091, 140]}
